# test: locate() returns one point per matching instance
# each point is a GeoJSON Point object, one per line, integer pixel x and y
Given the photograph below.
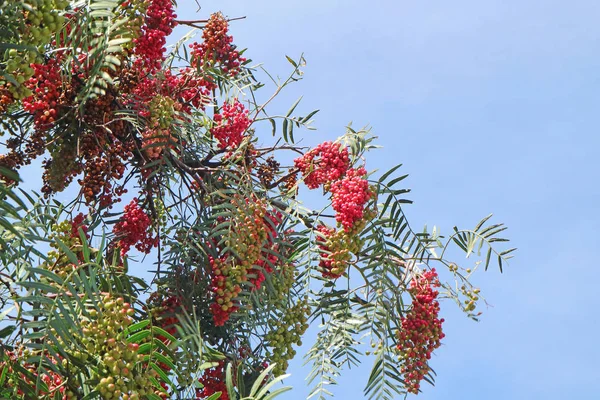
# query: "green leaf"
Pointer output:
{"type": "Point", "coordinates": [291, 61]}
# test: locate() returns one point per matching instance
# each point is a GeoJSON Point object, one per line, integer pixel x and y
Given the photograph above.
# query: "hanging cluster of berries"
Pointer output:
{"type": "Point", "coordinates": [38, 21]}
{"type": "Point", "coordinates": [15, 373]}
{"type": "Point", "coordinates": [122, 373]}
{"type": "Point", "coordinates": [421, 330]}
{"type": "Point", "coordinates": [290, 184]}
{"type": "Point", "coordinates": [349, 196]}
{"type": "Point", "coordinates": [134, 229]}
{"type": "Point", "coordinates": [266, 172]}
{"type": "Point", "coordinates": [45, 86]}
{"type": "Point", "coordinates": [286, 332]}
{"type": "Point", "coordinates": [335, 253]}
{"type": "Point", "coordinates": [248, 232]}
{"type": "Point", "coordinates": [161, 116]}
{"type": "Point", "coordinates": [230, 125]}
{"type": "Point", "coordinates": [164, 309]}
{"type": "Point", "coordinates": [252, 250]}
{"type": "Point", "coordinates": [328, 165]}
{"type": "Point", "coordinates": [159, 23]}
{"type": "Point", "coordinates": [66, 232]}
{"type": "Point", "coordinates": [213, 381]}
{"type": "Point", "coordinates": [268, 259]}
{"type": "Point", "coordinates": [217, 49]}
{"type": "Point", "coordinates": [324, 164]}
{"type": "Point", "coordinates": [472, 296]}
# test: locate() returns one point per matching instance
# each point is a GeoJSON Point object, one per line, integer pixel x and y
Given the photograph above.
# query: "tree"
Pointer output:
{"type": "Point", "coordinates": [241, 266]}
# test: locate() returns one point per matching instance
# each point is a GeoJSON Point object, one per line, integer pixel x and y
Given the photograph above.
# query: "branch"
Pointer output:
{"type": "Point", "coordinates": [193, 22]}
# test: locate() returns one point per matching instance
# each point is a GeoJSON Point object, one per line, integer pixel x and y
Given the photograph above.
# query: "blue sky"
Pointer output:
{"type": "Point", "coordinates": [492, 107]}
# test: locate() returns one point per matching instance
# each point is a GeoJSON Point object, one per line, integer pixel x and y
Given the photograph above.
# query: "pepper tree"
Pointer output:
{"type": "Point", "coordinates": [165, 157]}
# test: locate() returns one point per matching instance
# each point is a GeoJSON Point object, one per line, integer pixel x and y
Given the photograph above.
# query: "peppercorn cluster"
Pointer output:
{"type": "Point", "coordinates": [230, 125]}
{"type": "Point", "coordinates": [16, 372]}
{"type": "Point", "coordinates": [121, 372]}
{"type": "Point", "coordinates": [217, 49]}
{"type": "Point", "coordinates": [328, 165]}
{"type": "Point", "coordinates": [421, 330]}
{"type": "Point", "coordinates": [213, 381]}
{"type": "Point", "coordinates": [66, 232]}
{"type": "Point", "coordinates": [134, 229]}
{"type": "Point", "coordinates": [38, 22]}
{"type": "Point", "coordinates": [247, 232]}
{"type": "Point", "coordinates": [324, 164]}
{"type": "Point", "coordinates": [286, 332]}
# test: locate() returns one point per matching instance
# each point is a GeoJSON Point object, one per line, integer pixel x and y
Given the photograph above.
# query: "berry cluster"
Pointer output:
{"type": "Point", "coordinates": [268, 258]}
{"type": "Point", "coordinates": [121, 373]}
{"type": "Point", "coordinates": [230, 125]}
{"type": "Point", "coordinates": [226, 279]}
{"type": "Point", "coordinates": [266, 172]}
{"type": "Point", "coordinates": [159, 23]}
{"type": "Point", "coordinates": [290, 185]}
{"type": "Point", "coordinates": [164, 311]}
{"type": "Point", "coordinates": [472, 298]}
{"type": "Point", "coordinates": [334, 252]}
{"type": "Point", "coordinates": [252, 240]}
{"type": "Point", "coordinates": [213, 381]}
{"type": "Point", "coordinates": [217, 48]}
{"type": "Point", "coordinates": [157, 136]}
{"type": "Point", "coordinates": [421, 330]}
{"type": "Point", "coordinates": [45, 86]}
{"type": "Point", "coordinates": [15, 373]}
{"type": "Point", "coordinates": [38, 22]}
{"type": "Point", "coordinates": [19, 66]}
{"type": "Point", "coordinates": [134, 229]}
{"type": "Point", "coordinates": [66, 232]}
{"type": "Point", "coordinates": [324, 164]}
{"type": "Point", "coordinates": [286, 332]}
{"type": "Point", "coordinates": [349, 196]}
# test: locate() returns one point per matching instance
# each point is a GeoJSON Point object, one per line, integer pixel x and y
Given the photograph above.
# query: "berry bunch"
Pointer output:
{"type": "Point", "coordinates": [19, 66]}
{"type": "Point", "coordinates": [349, 196]}
{"type": "Point", "coordinates": [286, 332]}
{"type": "Point", "coordinates": [217, 48]}
{"type": "Point", "coordinates": [324, 164]}
{"type": "Point", "coordinates": [334, 252]}
{"type": "Point", "coordinates": [290, 185]}
{"type": "Point", "coordinates": [15, 373]}
{"type": "Point", "coordinates": [230, 125]}
{"type": "Point", "coordinates": [45, 86]}
{"type": "Point", "coordinates": [157, 135]}
{"type": "Point", "coordinates": [421, 330]}
{"type": "Point", "coordinates": [66, 232]}
{"type": "Point", "coordinates": [38, 20]}
{"type": "Point", "coordinates": [134, 229]}
{"type": "Point", "coordinates": [120, 371]}
{"type": "Point", "coordinates": [42, 20]}
{"type": "Point", "coordinates": [164, 311]}
{"type": "Point", "coordinates": [150, 45]}
{"type": "Point", "coordinates": [472, 297]}
{"type": "Point", "coordinates": [104, 149]}
{"type": "Point", "coordinates": [62, 167]}
{"type": "Point", "coordinates": [266, 172]}
{"type": "Point", "coordinates": [226, 279]}
{"type": "Point", "coordinates": [249, 236]}
{"type": "Point", "coordinates": [213, 381]}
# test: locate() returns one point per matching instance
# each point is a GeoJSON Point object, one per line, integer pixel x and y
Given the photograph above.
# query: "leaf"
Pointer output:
{"type": "Point", "coordinates": [388, 173]}
{"type": "Point", "coordinates": [293, 107]}
{"type": "Point", "coordinates": [291, 61]}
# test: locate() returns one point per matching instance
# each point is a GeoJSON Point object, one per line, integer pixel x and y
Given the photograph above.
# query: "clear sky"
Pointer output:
{"type": "Point", "coordinates": [492, 106]}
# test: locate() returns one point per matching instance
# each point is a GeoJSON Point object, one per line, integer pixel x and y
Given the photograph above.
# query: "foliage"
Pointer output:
{"type": "Point", "coordinates": [241, 266]}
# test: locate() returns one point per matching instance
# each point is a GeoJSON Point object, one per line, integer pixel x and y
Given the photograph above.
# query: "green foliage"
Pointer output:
{"type": "Point", "coordinates": [241, 266]}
